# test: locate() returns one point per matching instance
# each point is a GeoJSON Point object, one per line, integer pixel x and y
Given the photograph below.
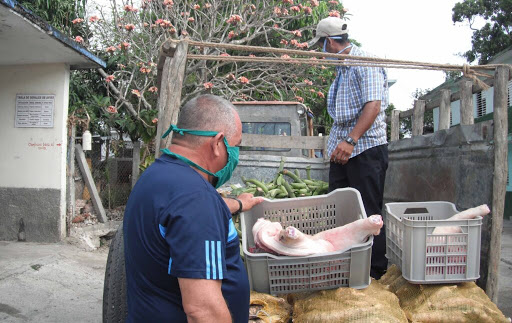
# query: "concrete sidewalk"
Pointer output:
{"type": "Point", "coordinates": [64, 283]}
{"type": "Point", "coordinates": [50, 282]}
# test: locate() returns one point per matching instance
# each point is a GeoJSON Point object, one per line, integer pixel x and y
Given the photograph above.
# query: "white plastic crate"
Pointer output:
{"type": "Point", "coordinates": [274, 275]}
{"type": "Point", "coordinates": [427, 258]}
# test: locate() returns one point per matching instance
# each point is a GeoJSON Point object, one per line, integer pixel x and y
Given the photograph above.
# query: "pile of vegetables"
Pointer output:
{"type": "Point", "coordinates": [284, 185]}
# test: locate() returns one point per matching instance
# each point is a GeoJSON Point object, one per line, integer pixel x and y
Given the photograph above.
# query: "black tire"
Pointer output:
{"type": "Point", "coordinates": [115, 308]}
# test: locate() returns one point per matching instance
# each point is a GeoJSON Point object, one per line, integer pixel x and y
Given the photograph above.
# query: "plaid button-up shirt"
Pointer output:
{"type": "Point", "coordinates": [352, 88]}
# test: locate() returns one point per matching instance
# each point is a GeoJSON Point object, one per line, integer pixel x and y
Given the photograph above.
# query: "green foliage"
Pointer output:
{"type": "Point", "coordinates": [59, 13]}
{"type": "Point", "coordinates": [495, 36]}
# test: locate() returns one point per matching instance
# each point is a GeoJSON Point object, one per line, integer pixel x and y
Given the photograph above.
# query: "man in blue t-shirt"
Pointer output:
{"type": "Point", "coordinates": [181, 247]}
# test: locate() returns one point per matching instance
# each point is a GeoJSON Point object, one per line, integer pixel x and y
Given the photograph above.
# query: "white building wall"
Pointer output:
{"type": "Point", "coordinates": [34, 158]}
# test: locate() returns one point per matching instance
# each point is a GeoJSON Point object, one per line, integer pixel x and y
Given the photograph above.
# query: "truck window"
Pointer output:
{"type": "Point", "coordinates": [266, 128]}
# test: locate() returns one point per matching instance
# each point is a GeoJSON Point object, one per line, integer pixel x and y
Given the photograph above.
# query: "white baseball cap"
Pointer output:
{"type": "Point", "coordinates": [329, 27]}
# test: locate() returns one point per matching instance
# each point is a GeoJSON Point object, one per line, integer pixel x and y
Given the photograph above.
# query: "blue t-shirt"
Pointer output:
{"type": "Point", "coordinates": [177, 225]}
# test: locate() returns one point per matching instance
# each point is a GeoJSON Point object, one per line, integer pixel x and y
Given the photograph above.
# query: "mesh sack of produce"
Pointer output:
{"type": "Point", "coordinates": [372, 304]}
{"type": "Point", "coordinates": [465, 302]}
{"type": "Point", "coordinates": [268, 309]}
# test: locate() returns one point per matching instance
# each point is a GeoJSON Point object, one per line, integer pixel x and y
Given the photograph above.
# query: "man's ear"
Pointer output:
{"type": "Point", "coordinates": [217, 144]}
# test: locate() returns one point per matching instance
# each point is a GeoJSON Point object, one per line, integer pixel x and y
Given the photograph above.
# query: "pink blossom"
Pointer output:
{"type": "Point", "coordinates": [94, 19]}
{"type": "Point", "coordinates": [197, 7]}
{"type": "Point", "coordinates": [208, 85]}
{"type": "Point", "coordinates": [191, 19]}
{"type": "Point", "coordinates": [207, 5]}
{"type": "Point", "coordinates": [168, 3]}
{"type": "Point", "coordinates": [231, 34]}
{"type": "Point", "coordinates": [125, 45]}
{"type": "Point", "coordinates": [307, 10]}
{"type": "Point", "coordinates": [145, 70]}
{"type": "Point", "coordinates": [110, 78]}
{"type": "Point", "coordinates": [111, 49]}
{"type": "Point", "coordinates": [299, 98]}
{"type": "Point", "coordinates": [243, 80]}
{"type": "Point", "coordinates": [234, 19]}
{"type": "Point", "coordinates": [308, 82]}
{"type": "Point", "coordinates": [129, 8]}
{"type": "Point", "coordinates": [172, 30]}
{"type": "Point", "coordinates": [79, 39]}
{"type": "Point", "coordinates": [294, 42]}
{"type": "Point", "coordinates": [252, 55]}
{"type": "Point", "coordinates": [284, 42]}
{"type": "Point", "coordinates": [129, 27]}
{"type": "Point", "coordinates": [153, 89]}
{"type": "Point", "coordinates": [277, 10]}
{"type": "Point", "coordinates": [285, 12]}
{"type": "Point", "coordinates": [303, 45]}
{"type": "Point", "coordinates": [334, 13]}
{"type": "Point", "coordinates": [121, 66]}
{"type": "Point", "coordinates": [155, 120]}
{"type": "Point", "coordinates": [112, 109]}
{"type": "Point", "coordinates": [276, 26]}
{"type": "Point", "coordinates": [295, 8]}
{"type": "Point", "coordinates": [230, 76]}
{"type": "Point", "coordinates": [253, 7]}
{"type": "Point", "coordinates": [334, 2]}
{"type": "Point", "coordinates": [146, 24]}
{"type": "Point", "coordinates": [314, 3]}
{"type": "Point", "coordinates": [136, 93]}
{"type": "Point", "coordinates": [320, 94]}
{"type": "Point", "coordinates": [288, 1]}
{"type": "Point", "coordinates": [285, 56]}
{"type": "Point", "coordinates": [77, 21]}
{"type": "Point", "coordinates": [297, 33]}
{"type": "Point", "coordinates": [312, 90]}
{"type": "Point", "coordinates": [225, 54]}
{"type": "Point", "coordinates": [184, 33]}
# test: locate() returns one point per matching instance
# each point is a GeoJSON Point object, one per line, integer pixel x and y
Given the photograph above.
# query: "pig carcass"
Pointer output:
{"type": "Point", "coordinates": [471, 213]}
{"type": "Point", "coordinates": [271, 237]}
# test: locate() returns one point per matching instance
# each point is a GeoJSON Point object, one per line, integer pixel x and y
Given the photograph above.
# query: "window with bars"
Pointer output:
{"type": "Point", "coordinates": [451, 118]}
{"type": "Point", "coordinates": [481, 106]}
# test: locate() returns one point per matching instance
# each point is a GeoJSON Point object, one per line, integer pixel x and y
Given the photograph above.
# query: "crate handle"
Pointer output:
{"type": "Point", "coordinates": [415, 210]}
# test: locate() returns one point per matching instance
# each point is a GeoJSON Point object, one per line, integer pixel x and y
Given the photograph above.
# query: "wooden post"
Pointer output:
{"type": "Point", "coordinates": [169, 100]}
{"type": "Point", "coordinates": [135, 162]}
{"type": "Point", "coordinates": [71, 180]}
{"type": "Point", "coordinates": [89, 182]}
{"type": "Point", "coordinates": [444, 110]}
{"type": "Point", "coordinates": [466, 103]}
{"type": "Point", "coordinates": [417, 118]}
{"type": "Point", "coordinates": [500, 178]}
{"type": "Point", "coordinates": [395, 125]}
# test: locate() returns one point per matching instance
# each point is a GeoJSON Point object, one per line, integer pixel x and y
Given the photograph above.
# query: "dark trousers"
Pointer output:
{"type": "Point", "coordinates": [366, 173]}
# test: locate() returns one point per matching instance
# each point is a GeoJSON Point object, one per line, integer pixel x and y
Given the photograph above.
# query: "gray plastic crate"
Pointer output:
{"type": "Point", "coordinates": [282, 274]}
{"type": "Point", "coordinates": [427, 258]}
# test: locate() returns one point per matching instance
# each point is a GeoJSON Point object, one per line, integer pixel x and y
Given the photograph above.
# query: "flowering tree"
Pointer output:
{"type": "Point", "coordinates": [129, 36]}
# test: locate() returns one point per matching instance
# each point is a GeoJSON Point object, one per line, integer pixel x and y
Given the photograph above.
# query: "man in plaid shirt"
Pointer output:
{"type": "Point", "coordinates": [357, 143]}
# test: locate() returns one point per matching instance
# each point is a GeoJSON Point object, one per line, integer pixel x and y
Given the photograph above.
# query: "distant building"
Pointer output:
{"type": "Point", "coordinates": [483, 108]}
{"type": "Point", "coordinates": [35, 64]}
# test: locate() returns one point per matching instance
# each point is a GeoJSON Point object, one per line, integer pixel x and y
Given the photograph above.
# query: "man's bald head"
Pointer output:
{"type": "Point", "coordinates": [207, 112]}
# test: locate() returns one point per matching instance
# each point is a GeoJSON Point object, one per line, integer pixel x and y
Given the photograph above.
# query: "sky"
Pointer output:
{"type": "Point", "coordinates": [412, 30]}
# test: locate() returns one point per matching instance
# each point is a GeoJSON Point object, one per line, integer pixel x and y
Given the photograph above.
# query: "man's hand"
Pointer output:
{"type": "Point", "coordinates": [342, 153]}
{"type": "Point", "coordinates": [249, 201]}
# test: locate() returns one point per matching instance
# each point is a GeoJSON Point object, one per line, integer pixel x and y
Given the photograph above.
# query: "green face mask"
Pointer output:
{"type": "Point", "coordinates": [222, 175]}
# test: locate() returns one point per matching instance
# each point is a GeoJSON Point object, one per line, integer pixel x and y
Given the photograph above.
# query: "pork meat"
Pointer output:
{"type": "Point", "coordinates": [270, 236]}
{"type": "Point", "coordinates": [471, 213]}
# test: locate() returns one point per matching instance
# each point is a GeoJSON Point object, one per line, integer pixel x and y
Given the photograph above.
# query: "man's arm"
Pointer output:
{"type": "Point", "coordinates": [343, 151]}
{"type": "Point", "coordinates": [247, 199]}
{"type": "Point", "coordinates": [203, 301]}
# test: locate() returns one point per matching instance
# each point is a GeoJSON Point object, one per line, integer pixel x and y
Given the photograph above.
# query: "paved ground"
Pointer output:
{"type": "Point", "coordinates": [64, 283]}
